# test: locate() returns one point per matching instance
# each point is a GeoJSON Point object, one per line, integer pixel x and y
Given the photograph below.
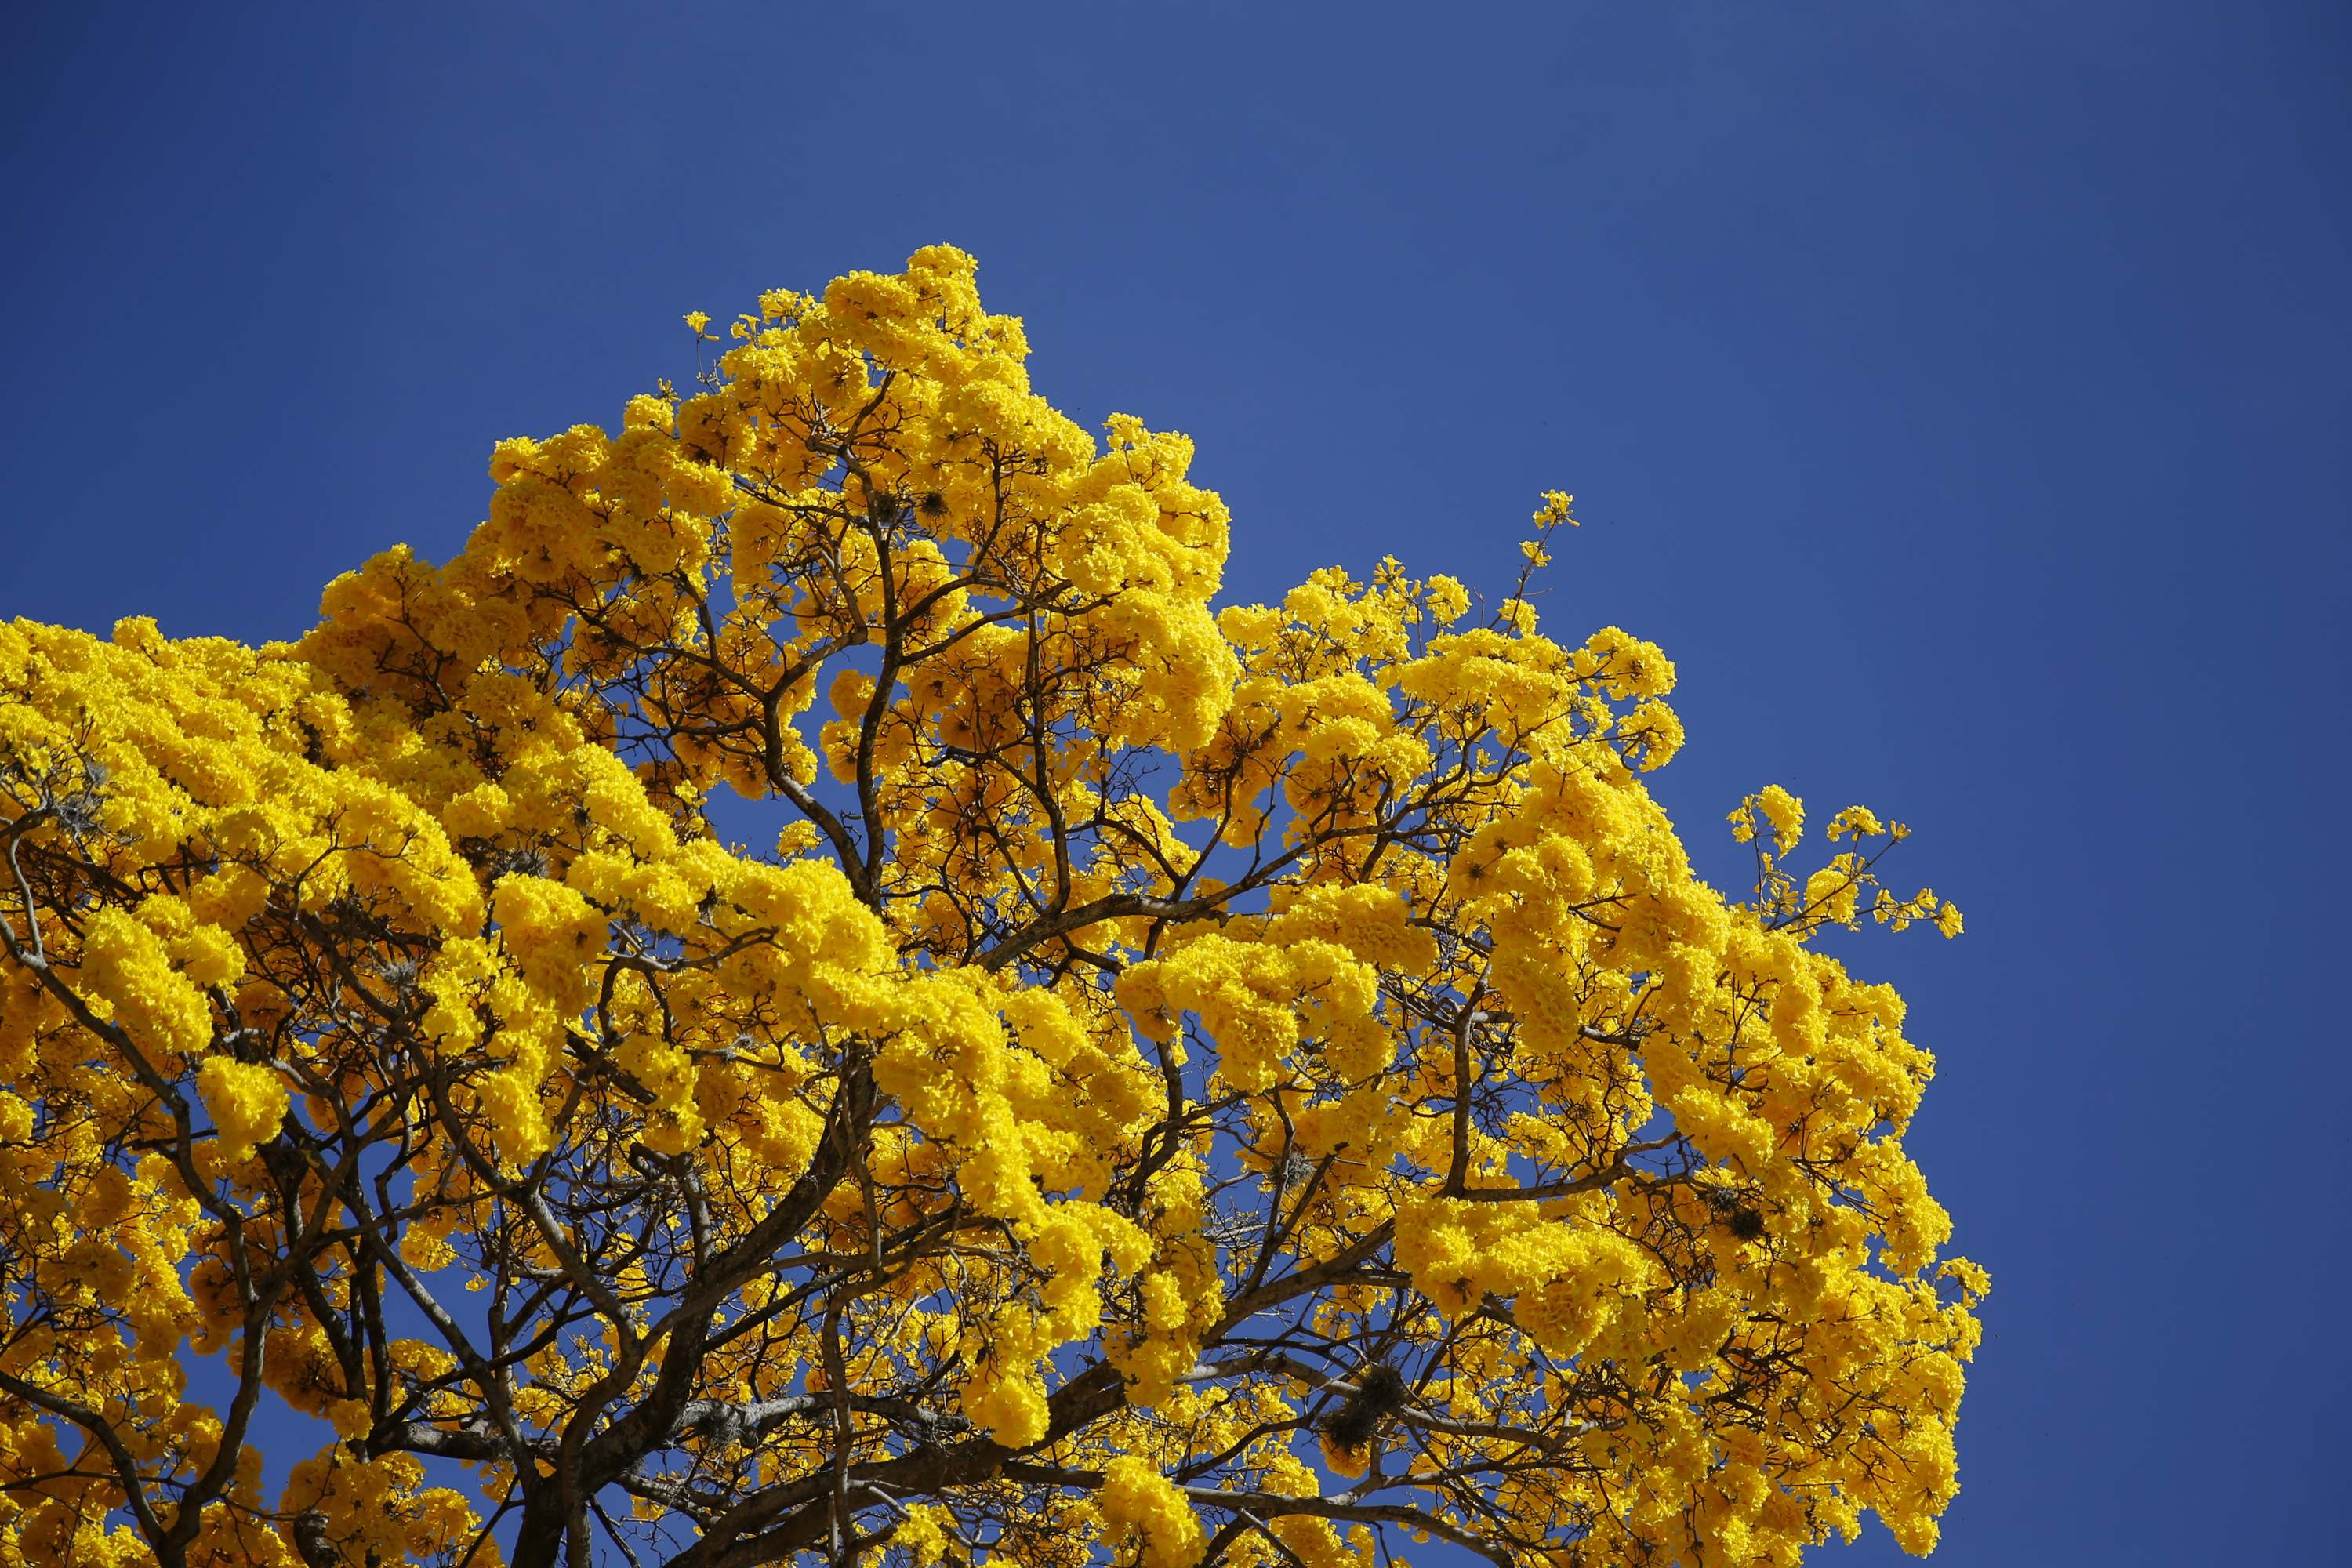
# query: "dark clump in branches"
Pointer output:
{"type": "Point", "coordinates": [1380, 1393]}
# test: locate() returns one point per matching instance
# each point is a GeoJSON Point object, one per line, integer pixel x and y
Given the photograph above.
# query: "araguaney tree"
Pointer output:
{"type": "Point", "coordinates": [1252, 1087]}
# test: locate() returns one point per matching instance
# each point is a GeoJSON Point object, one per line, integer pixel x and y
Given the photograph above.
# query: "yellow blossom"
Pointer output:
{"type": "Point", "coordinates": [924, 1029]}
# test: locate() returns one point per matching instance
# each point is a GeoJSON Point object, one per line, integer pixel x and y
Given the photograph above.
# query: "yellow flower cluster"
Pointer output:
{"type": "Point", "coordinates": [1141, 1504]}
{"type": "Point", "coordinates": [1263, 1077]}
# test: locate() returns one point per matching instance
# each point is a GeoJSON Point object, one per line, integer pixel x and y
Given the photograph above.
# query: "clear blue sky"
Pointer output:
{"type": "Point", "coordinates": [1958, 392]}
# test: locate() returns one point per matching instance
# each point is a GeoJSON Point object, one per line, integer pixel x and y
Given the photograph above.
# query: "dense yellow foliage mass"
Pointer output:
{"type": "Point", "coordinates": [1185, 1085]}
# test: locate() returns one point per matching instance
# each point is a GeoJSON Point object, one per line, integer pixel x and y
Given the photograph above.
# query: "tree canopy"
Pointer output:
{"type": "Point", "coordinates": [1258, 1086]}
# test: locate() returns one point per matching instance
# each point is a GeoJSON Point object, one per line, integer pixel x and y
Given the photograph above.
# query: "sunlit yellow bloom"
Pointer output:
{"type": "Point", "coordinates": [1267, 1075]}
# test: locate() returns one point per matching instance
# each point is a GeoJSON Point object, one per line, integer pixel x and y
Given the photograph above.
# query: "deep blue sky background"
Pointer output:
{"type": "Point", "coordinates": [1957, 391]}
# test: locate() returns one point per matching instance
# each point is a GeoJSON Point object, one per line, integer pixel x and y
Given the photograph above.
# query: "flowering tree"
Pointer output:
{"type": "Point", "coordinates": [1184, 1086]}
